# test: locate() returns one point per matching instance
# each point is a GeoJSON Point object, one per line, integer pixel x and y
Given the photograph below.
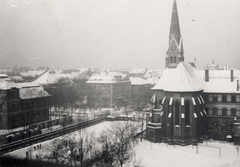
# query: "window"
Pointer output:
{"type": "Point", "coordinates": [177, 113]}
{"type": "Point", "coordinates": [171, 59]}
{"type": "Point", "coordinates": [206, 98]}
{"type": "Point", "coordinates": [174, 60]}
{"type": "Point", "coordinates": [229, 128]}
{"type": "Point", "coordinates": [233, 112]}
{"type": "Point", "coordinates": [13, 120]}
{"type": "Point", "coordinates": [215, 98]}
{"type": "Point", "coordinates": [224, 112]}
{"type": "Point", "coordinates": [187, 112]}
{"type": "Point", "coordinates": [215, 111]}
{"type": "Point", "coordinates": [233, 99]}
{"type": "Point", "coordinates": [22, 106]}
{"type": "Point", "coordinates": [232, 127]}
{"type": "Point", "coordinates": [210, 98]}
{"type": "Point", "coordinates": [224, 98]}
{"type": "Point", "coordinates": [13, 108]}
{"type": "Point", "coordinates": [22, 118]}
{"type": "Point", "coordinates": [215, 126]}
{"type": "Point", "coordinates": [224, 127]}
{"type": "Point", "coordinates": [1, 119]}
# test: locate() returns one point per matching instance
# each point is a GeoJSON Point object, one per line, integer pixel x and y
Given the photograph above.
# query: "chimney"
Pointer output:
{"type": "Point", "coordinates": [231, 75]}
{"type": "Point", "coordinates": [206, 75]}
{"type": "Point", "coordinates": [237, 85]}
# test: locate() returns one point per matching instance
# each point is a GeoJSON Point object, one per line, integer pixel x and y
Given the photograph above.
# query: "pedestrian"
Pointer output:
{"type": "Point", "coordinates": [36, 156]}
{"type": "Point", "coordinates": [37, 146]}
{"type": "Point", "coordinates": [26, 155]}
{"type": "Point", "coordinates": [34, 148]}
{"type": "Point", "coordinates": [40, 145]}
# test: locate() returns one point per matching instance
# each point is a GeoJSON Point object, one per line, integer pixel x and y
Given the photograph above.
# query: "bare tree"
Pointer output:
{"type": "Point", "coordinates": [58, 151]}
{"type": "Point", "coordinates": [121, 141]}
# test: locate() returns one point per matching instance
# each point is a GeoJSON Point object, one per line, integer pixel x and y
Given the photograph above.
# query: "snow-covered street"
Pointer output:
{"type": "Point", "coordinates": [160, 154]}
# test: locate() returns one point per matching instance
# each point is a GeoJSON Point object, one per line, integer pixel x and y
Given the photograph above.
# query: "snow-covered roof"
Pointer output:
{"type": "Point", "coordinates": [137, 70]}
{"type": "Point", "coordinates": [184, 78]}
{"type": "Point", "coordinates": [101, 79]}
{"type": "Point", "coordinates": [32, 73]}
{"type": "Point", "coordinates": [153, 73]}
{"type": "Point", "coordinates": [26, 85]}
{"type": "Point", "coordinates": [6, 83]}
{"type": "Point", "coordinates": [108, 77]}
{"type": "Point", "coordinates": [83, 70]}
{"type": "Point", "coordinates": [220, 81]}
{"type": "Point", "coordinates": [32, 92]}
{"type": "Point", "coordinates": [152, 80]}
{"type": "Point", "coordinates": [138, 81]}
{"type": "Point", "coordinates": [50, 78]}
{"type": "Point", "coordinates": [187, 78]}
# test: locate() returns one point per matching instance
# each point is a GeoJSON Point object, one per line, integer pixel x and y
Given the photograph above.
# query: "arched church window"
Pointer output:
{"type": "Point", "coordinates": [187, 112]}
{"type": "Point", "coordinates": [177, 113]}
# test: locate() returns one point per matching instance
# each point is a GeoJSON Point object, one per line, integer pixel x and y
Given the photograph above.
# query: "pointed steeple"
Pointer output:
{"type": "Point", "coordinates": [175, 48]}
{"type": "Point", "coordinates": [175, 27]}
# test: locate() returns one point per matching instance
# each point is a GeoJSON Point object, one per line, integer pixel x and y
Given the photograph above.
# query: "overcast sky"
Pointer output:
{"type": "Point", "coordinates": [116, 33]}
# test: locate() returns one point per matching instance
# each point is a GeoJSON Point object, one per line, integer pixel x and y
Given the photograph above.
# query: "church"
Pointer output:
{"type": "Point", "coordinates": [190, 104]}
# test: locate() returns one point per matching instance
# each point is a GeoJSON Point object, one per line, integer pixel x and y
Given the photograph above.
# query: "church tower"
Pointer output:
{"type": "Point", "coordinates": [175, 48]}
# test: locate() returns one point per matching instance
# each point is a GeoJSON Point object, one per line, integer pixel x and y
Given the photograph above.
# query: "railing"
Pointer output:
{"type": "Point", "coordinates": [47, 136]}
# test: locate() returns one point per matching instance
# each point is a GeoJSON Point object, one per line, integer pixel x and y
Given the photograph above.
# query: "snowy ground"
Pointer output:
{"type": "Point", "coordinates": [160, 154]}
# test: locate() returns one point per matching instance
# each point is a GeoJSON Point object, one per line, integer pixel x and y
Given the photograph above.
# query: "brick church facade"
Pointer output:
{"type": "Point", "coordinates": [190, 104]}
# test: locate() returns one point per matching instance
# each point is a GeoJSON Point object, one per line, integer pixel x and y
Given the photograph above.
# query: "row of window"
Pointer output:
{"type": "Point", "coordinates": [222, 112]}
{"type": "Point", "coordinates": [223, 127]}
{"type": "Point", "coordinates": [222, 98]}
{"type": "Point", "coordinates": [26, 117]}
{"type": "Point", "coordinates": [23, 106]}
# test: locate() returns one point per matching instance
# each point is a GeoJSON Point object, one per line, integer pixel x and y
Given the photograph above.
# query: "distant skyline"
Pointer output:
{"type": "Point", "coordinates": [116, 33]}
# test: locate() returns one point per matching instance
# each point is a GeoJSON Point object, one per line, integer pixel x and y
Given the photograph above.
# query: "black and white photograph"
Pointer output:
{"type": "Point", "coordinates": [119, 83]}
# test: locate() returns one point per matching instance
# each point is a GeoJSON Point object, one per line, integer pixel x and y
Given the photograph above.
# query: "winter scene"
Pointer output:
{"type": "Point", "coordinates": [119, 83]}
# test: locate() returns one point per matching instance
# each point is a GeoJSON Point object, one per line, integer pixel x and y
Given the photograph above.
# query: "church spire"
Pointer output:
{"type": "Point", "coordinates": [175, 28]}
{"type": "Point", "coordinates": [175, 49]}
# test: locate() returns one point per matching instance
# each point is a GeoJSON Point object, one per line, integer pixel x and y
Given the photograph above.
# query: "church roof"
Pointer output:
{"type": "Point", "coordinates": [185, 78]}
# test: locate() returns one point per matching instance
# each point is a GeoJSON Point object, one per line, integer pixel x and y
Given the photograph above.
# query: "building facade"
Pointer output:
{"type": "Point", "coordinates": [109, 90]}
{"type": "Point", "coordinates": [190, 104]}
{"type": "Point", "coordinates": [21, 104]}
